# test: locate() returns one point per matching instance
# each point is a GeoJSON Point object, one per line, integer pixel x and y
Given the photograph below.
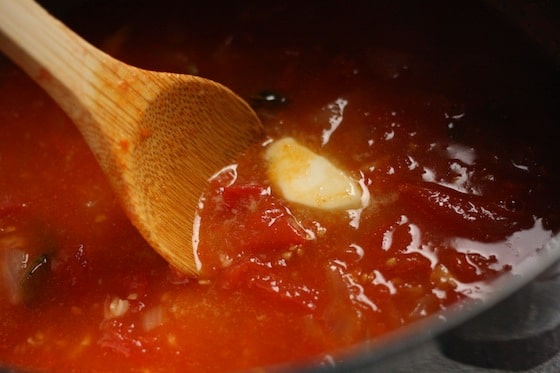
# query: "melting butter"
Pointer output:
{"type": "Point", "coordinates": [304, 177]}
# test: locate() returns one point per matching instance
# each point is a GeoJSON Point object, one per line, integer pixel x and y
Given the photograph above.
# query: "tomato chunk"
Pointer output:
{"type": "Point", "coordinates": [252, 221]}
{"type": "Point", "coordinates": [470, 216]}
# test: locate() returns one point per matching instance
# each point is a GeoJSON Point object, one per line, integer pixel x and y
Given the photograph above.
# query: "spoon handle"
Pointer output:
{"type": "Point", "coordinates": [85, 82]}
{"type": "Point", "coordinates": [46, 50]}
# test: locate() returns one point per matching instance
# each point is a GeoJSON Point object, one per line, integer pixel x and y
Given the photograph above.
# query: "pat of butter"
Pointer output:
{"type": "Point", "coordinates": [305, 177]}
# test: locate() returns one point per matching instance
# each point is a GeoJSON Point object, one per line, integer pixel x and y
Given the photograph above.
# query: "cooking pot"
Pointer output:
{"type": "Point", "coordinates": [400, 350]}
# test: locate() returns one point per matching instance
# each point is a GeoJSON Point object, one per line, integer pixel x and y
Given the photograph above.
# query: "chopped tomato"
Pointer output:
{"type": "Point", "coordinates": [251, 222]}
{"type": "Point", "coordinates": [471, 216]}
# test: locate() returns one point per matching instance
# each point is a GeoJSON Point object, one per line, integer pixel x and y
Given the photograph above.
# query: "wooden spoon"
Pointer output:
{"type": "Point", "coordinates": [157, 136]}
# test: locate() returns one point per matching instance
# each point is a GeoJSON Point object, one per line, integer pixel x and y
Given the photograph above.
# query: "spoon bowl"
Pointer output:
{"type": "Point", "coordinates": [157, 136]}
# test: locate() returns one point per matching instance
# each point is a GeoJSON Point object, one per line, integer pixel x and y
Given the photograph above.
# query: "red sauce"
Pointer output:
{"type": "Point", "coordinates": [443, 123]}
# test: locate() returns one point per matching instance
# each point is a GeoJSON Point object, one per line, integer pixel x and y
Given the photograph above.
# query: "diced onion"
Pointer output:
{"type": "Point", "coordinates": [153, 318]}
{"type": "Point", "coordinates": [116, 307]}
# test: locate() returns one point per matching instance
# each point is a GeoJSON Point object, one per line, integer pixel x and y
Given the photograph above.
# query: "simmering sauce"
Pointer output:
{"type": "Point", "coordinates": [443, 128]}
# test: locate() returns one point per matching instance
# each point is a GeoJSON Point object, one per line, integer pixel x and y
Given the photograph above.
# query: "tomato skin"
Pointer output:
{"type": "Point", "coordinates": [470, 216]}
{"type": "Point", "coordinates": [470, 267]}
{"type": "Point", "coordinates": [234, 195]}
{"type": "Point", "coordinates": [252, 222]}
{"type": "Point", "coordinates": [270, 224]}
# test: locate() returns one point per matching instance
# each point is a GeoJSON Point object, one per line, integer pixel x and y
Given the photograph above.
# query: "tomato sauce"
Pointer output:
{"type": "Point", "coordinates": [447, 126]}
